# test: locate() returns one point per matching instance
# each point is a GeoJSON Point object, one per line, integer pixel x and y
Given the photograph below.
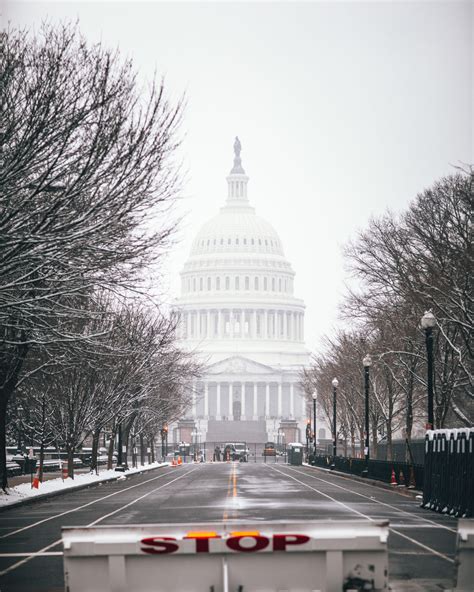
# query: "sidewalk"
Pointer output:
{"type": "Point", "coordinates": [402, 490]}
{"type": "Point", "coordinates": [24, 494]}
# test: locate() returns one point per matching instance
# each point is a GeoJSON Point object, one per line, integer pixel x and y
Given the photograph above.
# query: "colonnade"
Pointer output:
{"type": "Point", "coordinates": [243, 323]}
{"type": "Point", "coordinates": [248, 400]}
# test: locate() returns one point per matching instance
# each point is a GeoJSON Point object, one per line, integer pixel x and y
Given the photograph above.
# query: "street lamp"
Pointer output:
{"type": "Point", "coordinates": [335, 384]}
{"type": "Point", "coordinates": [20, 426]}
{"type": "Point", "coordinates": [367, 361]}
{"type": "Point", "coordinates": [315, 396]}
{"type": "Point", "coordinates": [428, 321]}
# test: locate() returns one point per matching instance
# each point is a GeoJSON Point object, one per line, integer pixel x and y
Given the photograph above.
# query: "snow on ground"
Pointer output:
{"type": "Point", "coordinates": [24, 491]}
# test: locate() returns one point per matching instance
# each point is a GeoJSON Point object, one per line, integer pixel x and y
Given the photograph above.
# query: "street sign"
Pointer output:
{"type": "Point", "coordinates": [293, 556]}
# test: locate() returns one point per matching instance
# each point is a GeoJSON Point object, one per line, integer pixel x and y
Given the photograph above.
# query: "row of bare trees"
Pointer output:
{"type": "Point", "coordinates": [403, 265]}
{"type": "Point", "coordinates": [88, 178]}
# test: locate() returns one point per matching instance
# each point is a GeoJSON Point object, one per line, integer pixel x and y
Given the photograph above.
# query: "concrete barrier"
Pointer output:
{"type": "Point", "coordinates": [310, 556]}
{"type": "Point", "coordinates": [465, 556]}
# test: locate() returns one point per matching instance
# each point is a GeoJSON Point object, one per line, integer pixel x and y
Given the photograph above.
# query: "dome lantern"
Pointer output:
{"type": "Point", "coordinates": [237, 180]}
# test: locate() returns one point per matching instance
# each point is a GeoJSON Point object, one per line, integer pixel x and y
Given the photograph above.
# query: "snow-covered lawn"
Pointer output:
{"type": "Point", "coordinates": [23, 491]}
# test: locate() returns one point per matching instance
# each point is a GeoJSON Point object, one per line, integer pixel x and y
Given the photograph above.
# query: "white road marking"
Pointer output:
{"type": "Point", "coordinates": [51, 545]}
{"type": "Point", "coordinates": [433, 551]}
{"type": "Point", "coordinates": [376, 501]}
{"type": "Point", "coordinates": [9, 534]}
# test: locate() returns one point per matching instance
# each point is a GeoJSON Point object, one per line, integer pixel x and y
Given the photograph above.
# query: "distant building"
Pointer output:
{"type": "Point", "coordinates": [238, 310]}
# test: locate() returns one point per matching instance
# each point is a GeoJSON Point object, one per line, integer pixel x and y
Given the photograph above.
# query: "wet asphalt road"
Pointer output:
{"type": "Point", "coordinates": [421, 543]}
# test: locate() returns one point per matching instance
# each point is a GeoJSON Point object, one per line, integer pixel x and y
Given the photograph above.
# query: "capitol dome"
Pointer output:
{"type": "Point", "coordinates": [238, 311]}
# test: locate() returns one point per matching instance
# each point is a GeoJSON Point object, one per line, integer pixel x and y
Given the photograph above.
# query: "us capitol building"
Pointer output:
{"type": "Point", "coordinates": [238, 311]}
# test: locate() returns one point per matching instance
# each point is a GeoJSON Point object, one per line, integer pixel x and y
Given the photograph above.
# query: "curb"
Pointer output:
{"type": "Point", "coordinates": [42, 496]}
{"type": "Point", "coordinates": [402, 490]}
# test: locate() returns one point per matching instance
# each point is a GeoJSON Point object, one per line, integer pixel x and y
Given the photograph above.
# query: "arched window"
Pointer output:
{"type": "Point", "coordinates": [245, 241]}
{"type": "Point", "coordinates": [201, 284]}
{"type": "Point", "coordinates": [279, 285]}
{"type": "Point", "coordinates": [247, 283]}
{"type": "Point", "coordinates": [236, 241]}
{"type": "Point", "coordinates": [273, 284]}
{"type": "Point", "coordinates": [194, 284]}
{"type": "Point", "coordinates": [256, 283]}
{"type": "Point", "coordinates": [265, 284]}
{"type": "Point", "coordinates": [237, 283]}
{"type": "Point", "coordinates": [227, 283]}
{"type": "Point", "coordinates": [218, 283]}
{"type": "Point", "coordinates": [229, 241]}
{"type": "Point", "coordinates": [252, 241]}
{"type": "Point", "coordinates": [222, 241]}
{"type": "Point", "coordinates": [209, 284]}
{"type": "Point", "coordinates": [259, 241]}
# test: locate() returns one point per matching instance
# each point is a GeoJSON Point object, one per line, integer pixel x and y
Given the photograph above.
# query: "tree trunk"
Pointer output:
{"type": "Point", "coordinates": [95, 450]}
{"type": "Point", "coordinates": [3, 443]}
{"type": "Point", "coordinates": [142, 450]}
{"type": "Point", "coordinates": [152, 448]}
{"type": "Point", "coordinates": [389, 441]}
{"type": "Point", "coordinates": [9, 373]}
{"type": "Point", "coordinates": [41, 461]}
{"type": "Point", "coordinates": [374, 440]}
{"type": "Point", "coordinates": [110, 452]}
{"type": "Point", "coordinates": [70, 461]}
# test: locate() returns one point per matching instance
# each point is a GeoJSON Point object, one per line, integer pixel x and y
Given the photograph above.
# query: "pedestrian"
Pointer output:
{"type": "Point", "coordinates": [217, 453]}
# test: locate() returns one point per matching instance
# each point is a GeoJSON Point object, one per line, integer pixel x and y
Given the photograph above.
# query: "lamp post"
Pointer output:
{"type": "Point", "coordinates": [308, 436]}
{"type": "Point", "coordinates": [20, 427]}
{"type": "Point", "coordinates": [335, 384]}
{"type": "Point", "coordinates": [315, 397]}
{"type": "Point", "coordinates": [428, 321]}
{"type": "Point", "coordinates": [367, 361]}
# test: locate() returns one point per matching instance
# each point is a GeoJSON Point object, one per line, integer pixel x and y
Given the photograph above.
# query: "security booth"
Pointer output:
{"type": "Point", "coordinates": [295, 453]}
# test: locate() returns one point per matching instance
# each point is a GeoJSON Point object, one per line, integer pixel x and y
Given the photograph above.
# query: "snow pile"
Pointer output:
{"type": "Point", "coordinates": [24, 491]}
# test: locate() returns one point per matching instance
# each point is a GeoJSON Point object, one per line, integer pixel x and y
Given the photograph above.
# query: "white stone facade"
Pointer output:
{"type": "Point", "coordinates": [238, 310]}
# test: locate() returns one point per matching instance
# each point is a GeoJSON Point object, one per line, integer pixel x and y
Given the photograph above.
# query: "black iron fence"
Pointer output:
{"type": "Point", "coordinates": [449, 472]}
{"type": "Point", "coordinates": [394, 472]}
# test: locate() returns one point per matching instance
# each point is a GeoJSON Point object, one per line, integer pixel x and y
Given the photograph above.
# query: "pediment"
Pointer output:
{"type": "Point", "coordinates": [239, 365]}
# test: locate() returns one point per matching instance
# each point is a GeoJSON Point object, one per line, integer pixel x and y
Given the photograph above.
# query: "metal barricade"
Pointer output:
{"type": "Point", "coordinates": [449, 471]}
{"type": "Point", "coordinates": [465, 556]}
{"type": "Point", "coordinates": [222, 557]}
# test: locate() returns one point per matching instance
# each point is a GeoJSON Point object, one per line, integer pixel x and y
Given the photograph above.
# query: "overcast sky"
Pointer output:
{"type": "Point", "coordinates": [344, 109]}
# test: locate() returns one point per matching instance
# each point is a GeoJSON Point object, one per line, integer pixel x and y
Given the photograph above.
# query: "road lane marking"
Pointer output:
{"type": "Point", "coordinates": [46, 554]}
{"type": "Point", "coordinates": [437, 524]}
{"type": "Point", "coordinates": [56, 543]}
{"type": "Point", "coordinates": [229, 488]}
{"type": "Point", "coordinates": [9, 534]}
{"type": "Point", "coordinates": [433, 551]}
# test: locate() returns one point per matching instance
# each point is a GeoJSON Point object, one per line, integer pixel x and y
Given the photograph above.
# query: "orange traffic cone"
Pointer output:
{"type": "Point", "coordinates": [36, 481]}
{"type": "Point", "coordinates": [173, 462]}
{"type": "Point", "coordinates": [401, 479]}
{"type": "Point", "coordinates": [393, 480]}
{"type": "Point", "coordinates": [180, 460]}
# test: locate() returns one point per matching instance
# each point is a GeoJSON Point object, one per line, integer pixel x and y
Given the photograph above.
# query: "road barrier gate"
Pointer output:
{"type": "Point", "coordinates": [449, 471]}
{"type": "Point", "coordinates": [275, 556]}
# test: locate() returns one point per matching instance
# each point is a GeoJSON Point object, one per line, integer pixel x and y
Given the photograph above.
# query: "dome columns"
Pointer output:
{"type": "Point", "coordinates": [275, 324]}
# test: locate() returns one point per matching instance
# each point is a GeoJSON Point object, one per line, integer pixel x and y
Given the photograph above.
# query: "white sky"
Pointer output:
{"type": "Point", "coordinates": [343, 110]}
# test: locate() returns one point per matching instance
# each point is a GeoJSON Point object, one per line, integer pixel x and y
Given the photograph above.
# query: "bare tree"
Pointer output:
{"type": "Point", "coordinates": [88, 177]}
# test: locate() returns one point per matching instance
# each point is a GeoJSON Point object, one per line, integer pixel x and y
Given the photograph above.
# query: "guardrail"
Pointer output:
{"type": "Point", "coordinates": [449, 471]}
{"type": "Point", "coordinates": [313, 555]}
{"type": "Point", "coordinates": [380, 470]}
